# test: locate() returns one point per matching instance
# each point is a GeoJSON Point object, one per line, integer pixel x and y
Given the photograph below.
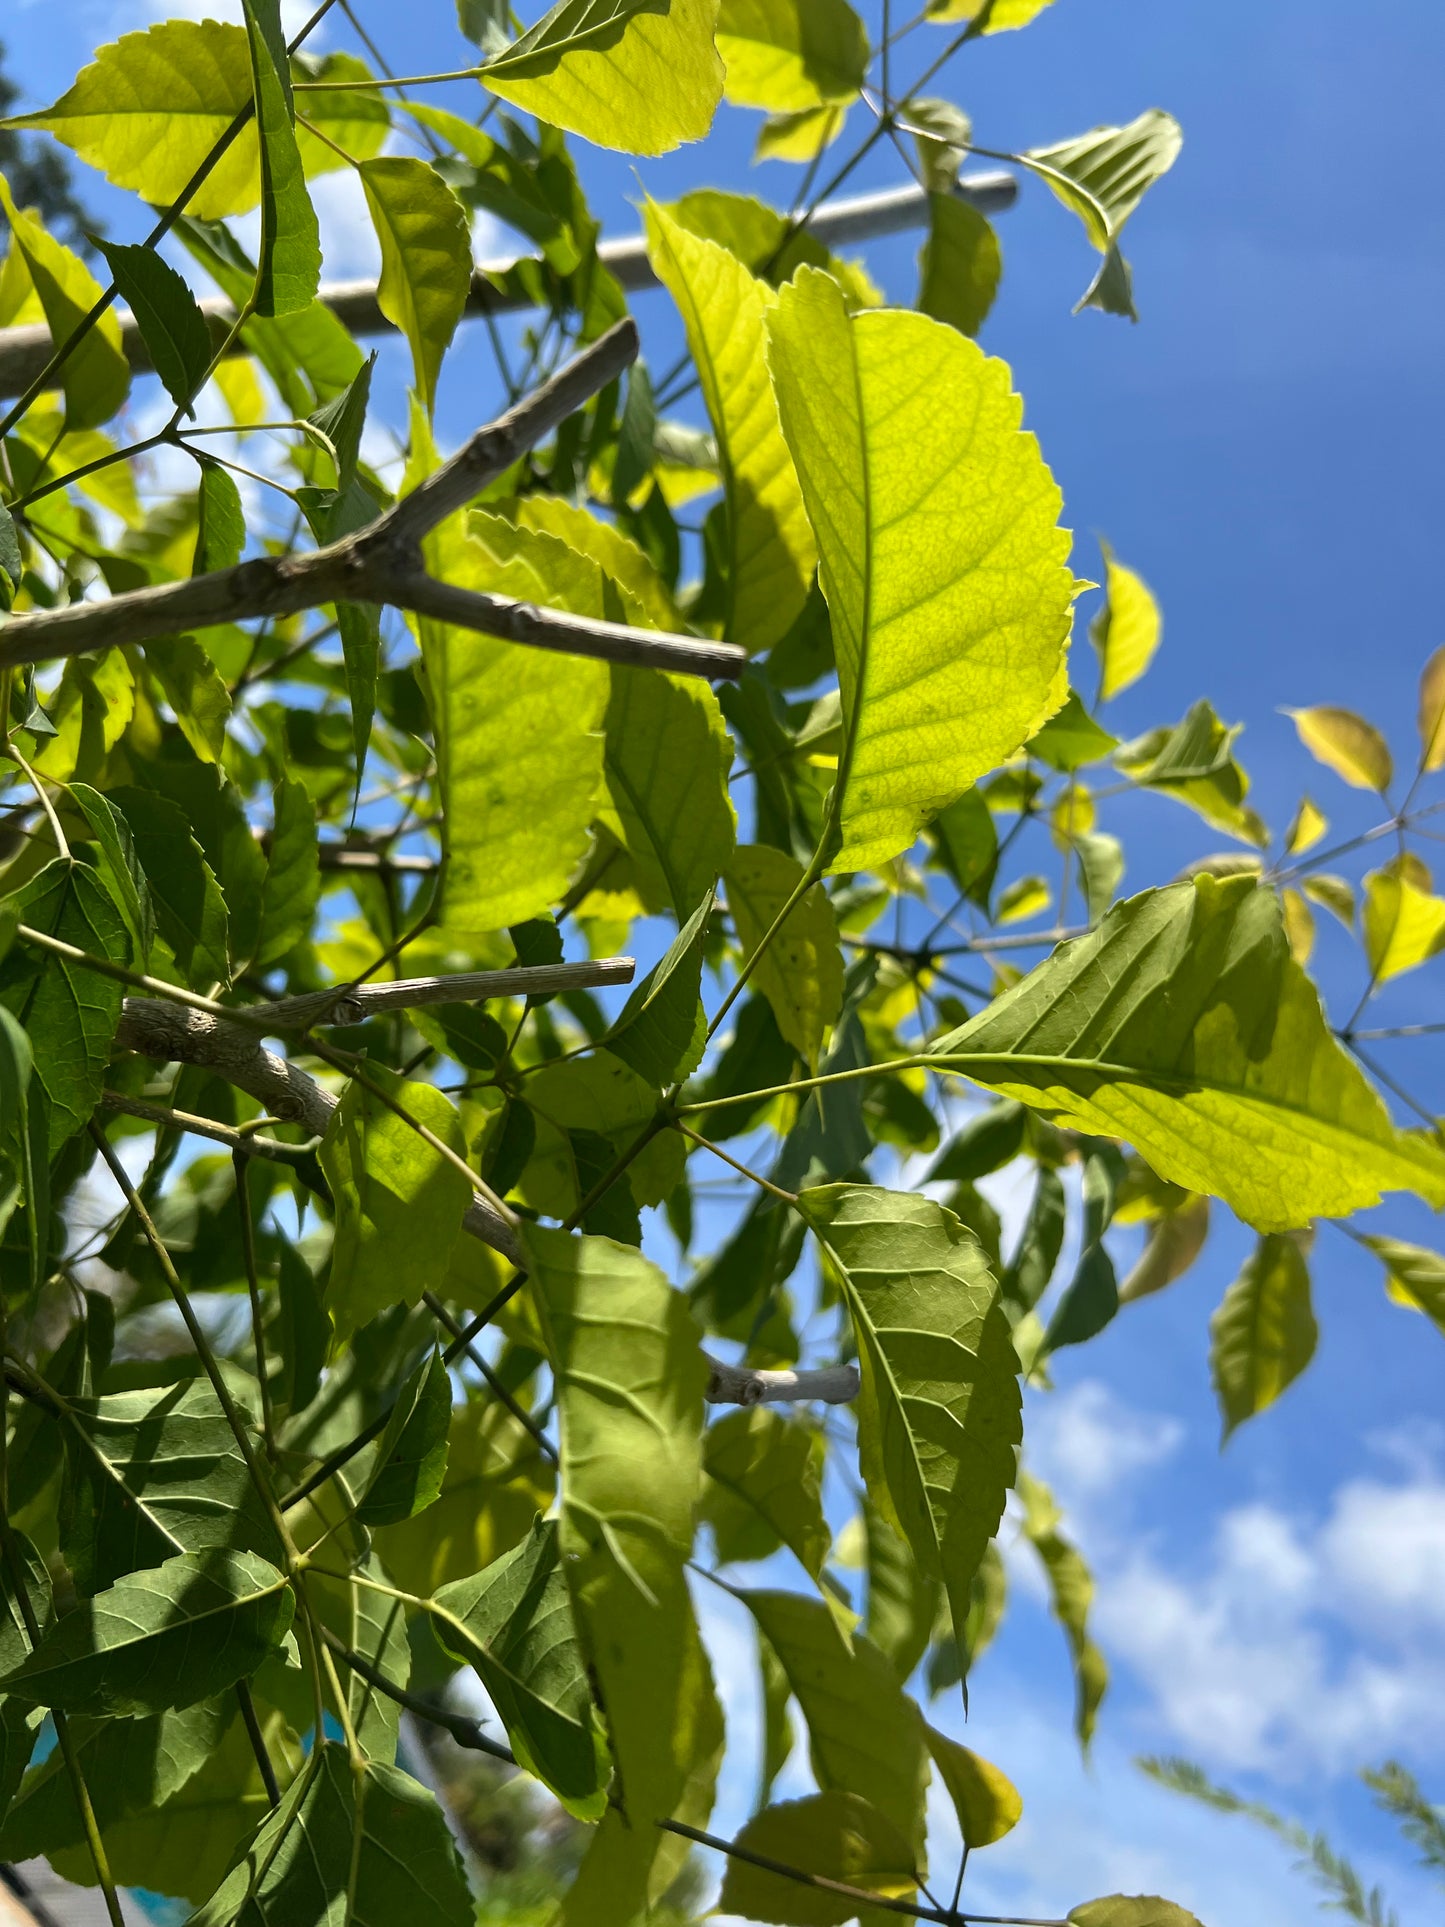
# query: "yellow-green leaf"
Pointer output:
{"type": "Point", "coordinates": [786, 55]}
{"type": "Point", "coordinates": [1175, 1241]}
{"type": "Point", "coordinates": [944, 568]}
{"type": "Point", "coordinates": [151, 106]}
{"type": "Point", "coordinates": [666, 764]}
{"type": "Point", "coordinates": [1028, 897]}
{"type": "Point", "coordinates": [1299, 925]}
{"type": "Point", "coordinates": [1131, 1910]}
{"type": "Point", "coordinates": [1001, 16]}
{"type": "Point", "coordinates": [1414, 1276]}
{"type": "Point", "coordinates": [1264, 1332]}
{"type": "Point", "coordinates": [1071, 1593]}
{"type": "Point", "coordinates": [629, 1383]}
{"type": "Point", "coordinates": [1307, 827]}
{"type": "Point", "coordinates": [1432, 712]}
{"type": "Point", "coordinates": [767, 1471]}
{"type": "Point", "coordinates": [839, 1836]}
{"type": "Point", "coordinates": [96, 376]}
{"type": "Point", "coordinates": [987, 1802]}
{"type": "Point", "coordinates": [519, 743]}
{"type": "Point", "coordinates": [769, 544]}
{"type": "Point", "coordinates": [639, 75]}
{"type": "Point", "coordinates": [932, 1340]}
{"type": "Point", "coordinates": [616, 554]}
{"type": "Point", "coordinates": [1127, 630]}
{"type": "Point", "coordinates": [399, 1201]}
{"type": "Point", "coordinates": [1183, 1025]}
{"type": "Point", "coordinates": [800, 136]}
{"type": "Point", "coordinates": [1345, 743]}
{"type": "Point", "coordinates": [865, 1736]}
{"type": "Point", "coordinates": [801, 972]}
{"type": "Point", "coordinates": [959, 265]}
{"type": "Point", "coordinates": [426, 258]}
{"type": "Point", "coordinates": [1403, 925]}
{"type": "Point", "coordinates": [1335, 893]}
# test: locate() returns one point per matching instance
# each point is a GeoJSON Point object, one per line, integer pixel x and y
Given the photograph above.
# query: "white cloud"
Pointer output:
{"type": "Point", "coordinates": [1089, 1443]}
{"type": "Point", "coordinates": [1384, 1546]}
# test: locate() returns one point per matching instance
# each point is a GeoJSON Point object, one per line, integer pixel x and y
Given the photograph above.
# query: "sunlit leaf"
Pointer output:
{"type": "Point", "coordinates": [1335, 893]}
{"type": "Point", "coordinates": [1102, 176]}
{"type": "Point", "coordinates": [1131, 1910]}
{"type": "Point", "coordinates": [919, 484]}
{"type": "Point", "coordinates": [630, 74]}
{"type": "Point", "coordinates": [835, 1834]}
{"type": "Point", "coordinates": [986, 1801]}
{"type": "Point", "coordinates": [426, 258]}
{"type": "Point", "coordinates": [1432, 712]}
{"type": "Point", "coordinates": [770, 548]}
{"type": "Point", "coordinates": [959, 265]}
{"type": "Point", "coordinates": [96, 375]}
{"type": "Point", "coordinates": [1128, 628]}
{"type": "Point", "coordinates": [1404, 926]}
{"type": "Point", "coordinates": [1182, 1025]}
{"type": "Point", "coordinates": [997, 18]}
{"type": "Point", "coordinates": [769, 1469]}
{"type": "Point", "coordinates": [801, 971]}
{"type": "Point", "coordinates": [790, 54]}
{"type": "Point", "coordinates": [289, 258]}
{"type": "Point", "coordinates": [1307, 827]}
{"type": "Point", "coordinates": [1416, 1277]}
{"type": "Point", "coordinates": [666, 767]}
{"type": "Point", "coordinates": [1071, 1593]}
{"type": "Point", "coordinates": [1345, 743]}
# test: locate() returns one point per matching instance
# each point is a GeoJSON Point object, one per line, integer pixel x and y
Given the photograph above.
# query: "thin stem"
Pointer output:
{"type": "Point", "coordinates": [240, 1164]}
{"type": "Point", "coordinates": [788, 1197]}
{"type": "Point", "coordinates": [464, 1730]}
{"type": "Point", "coordinates": [45, 803]}
{"type": "Point", "coordinates": [245, 1144]}
{"type": "Point", "coordinates": [258, 1743]}
{"type": "Point", "coordinates": [398, 80]}
{"type": "Point", "coordinates": [494, 1384]}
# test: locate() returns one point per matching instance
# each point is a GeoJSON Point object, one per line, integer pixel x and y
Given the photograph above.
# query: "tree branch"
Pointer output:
{"type": "Point", "coordinates": [742, 1385]}
{"type": "Point", "coordinates": [382, 563]}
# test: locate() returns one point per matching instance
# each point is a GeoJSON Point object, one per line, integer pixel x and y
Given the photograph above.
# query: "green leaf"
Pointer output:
{"type": "Point", "coordinates": [1071, 738]}
{"type": "Point", "coordinates": [289, 271]}
{"type": "Point", "coordinates": [342, 421]}
{"type": "Point", "coordinates": [96, 376]}
{"type": "Point", "coordinates": [607, 1099]}
{"type": "Point", "coordinates": [171, 323]}
{"type": "Point", "coordinates": [513, 1624]}
{"type": "Point", "coordinates": [119, 865]}
{"type": "Point", "coordinates": [1404, 926]}
{"type": "Point", "coordinates": [194, 688]}
{"type": "Point", "coordinates": [1215, 1062]}
{"type": "Point", "coordinates": [801, 971]}
{"type": "Point", "coordinates": [519, 744]}
{"type": "Point", "coordinates": [190, 910]}
{"type": "Point", "coordinates": [1127, 630]}
{"type": "Point", "coordinates": [766, 244]}
{"type": "Point", "coordinates": [770, 1472]}
{"type": "Point", "coordinates": [639, 75]}
{"type": "Point", "coordinates": [69, 1012]}
{"type": "Point", "coordinates": [220, 521]}
{"type": "Point", "coordinates": [24, 1144]}
{"type": "Point", "coordinates": [902, 1600]}
{"type": "Point", "coordinates": [790, 54]}
{"type": "Point", "coordinates": [399, 1202]}
{"type": "Point", "coordinates": [130, 1766]}
{"type": "Point", "coordinates": [426, 258]}
{"type": "Point", "coordinates": [219, 824]}
{"type": "Point", "coordinates": [986, 1801]}
{"type": "Point", "coordinates": [1092, 1298]}
{"type": "Point", "coordinates": [1194, 763]}
{"type": "Point", "coordinates": [150, 1474]}
{"type": "Point", "coordinates": [1264, 1332]}
{"type": "Point", "coordinates": [293, 875]}
{"type": "Point", "coordinates": [166, 1637]}
{"type": "Point", "coordinates": [1102, 176]}
{"type": "Point", "coordinates": [837, 1835]}
{"type": "Point", "coordinates": [1101, 870]}
{"type": "Point", "coordinates": [370, 1846]}
{"type": "Point", "coordinates": [411, 1461]}
{"type": "Point", "coordinates": [939, 1411]}
{"type": "Point", "coordinates": [997, 17]}
{"type": "Point", "coordinates": [667, 759]}
{"type": "Point", "coordinates": [1131, 1910]}
{"type": "Point", "coordinates": [769, 546]}
{"type": "Point", "coordinates": [959, 265]}
{"type": "Point", "coordinates": [12, 563]}
{"type": "Point", "coordinates": [1071, 1593]}
{"type": "Point", "coordinates": [864, 1735]}
{"type": "Point", "coordinates": [1345, 743]}
{"type": "Point", "coordinates": [378, 1632]}
{"type": "Point", "coordinates": [630, 1379]}
{"type": "Point", "coordinates": [1415, 1277]}
{"type": "Point", "coordinates": [659, 1032]}
{"type": "Point", "coordinates": [301, 1332]}
{"type": "Point", "coordinates": [968, 844]}
{"type": "Point", "coordinates": [919, 484]}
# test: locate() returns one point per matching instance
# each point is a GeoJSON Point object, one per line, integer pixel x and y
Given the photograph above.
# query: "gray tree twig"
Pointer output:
{"type": "Point", "coordinates": [383, 563]}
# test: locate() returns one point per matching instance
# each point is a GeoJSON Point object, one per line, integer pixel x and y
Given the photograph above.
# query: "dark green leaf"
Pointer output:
{"type": "Point", "coordinates": [213, 808]}
{"type": "Point", "coordinates": [342, 420]}
{"type": "Point", "coordinates": [989, 1140]}
{"type": "Point", "coordinates": [370, 1848]}
{"type": "Point", "coordinates": [513, 1623]}
{"type": "Point", "coordinates": [195, 691]}
{"type": "Point", "coordinates": [119, 864]}
{"type": "Point", "coordinates": [12, 566]}
{"type": "Point", "coordinates": [220, 521]}
{"type": "Point", "coordinates": [165, 1637]}
{"type": "Point", "coordinates": [290, 265]}
{"type": "Point", "coordinates": [1028, 1276]}
{"type": "Point", "coordinates": [293, 875]}
{"type": "Point", "coordinates": [769, 1470]}
{"type": "Point", "coordinates": [959, 265]}
{"type": "Point", "coordinates": [635, 434]}
{"type": "Point", "coordinates": [171, 324]}
{"type": "Point", "coordinates": [69, 1012]}
{"type": "Point", "coordinates": [301, 1331]}
{"type": "Point", "coordinates": [188, 903]}
{"type": "Point", "coordinates": [1093, 1294]}
{"type": "Point", "coordinates": [660, 1031]}
{"type": "Point", "coordinates": [412, 1459]}
{"type": "Point", "coordinates": [968, 844]}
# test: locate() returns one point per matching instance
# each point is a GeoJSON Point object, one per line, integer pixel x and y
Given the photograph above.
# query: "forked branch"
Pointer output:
{"type": "Point", "coordinates": [383, 563]}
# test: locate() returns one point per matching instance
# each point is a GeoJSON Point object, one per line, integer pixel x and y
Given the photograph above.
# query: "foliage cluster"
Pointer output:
{"type": "Point", "coordinates": [336, 1368]}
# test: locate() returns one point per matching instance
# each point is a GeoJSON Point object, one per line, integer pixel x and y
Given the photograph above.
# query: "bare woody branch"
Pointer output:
{"type": "Point", "coordinates": [177, 1034]}
{"type": "Point", "coordinates": [383, 564]}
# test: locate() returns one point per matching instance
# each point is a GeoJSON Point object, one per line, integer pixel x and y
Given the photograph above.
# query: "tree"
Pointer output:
{"type": "Point", "coordinates": [399, 1388]}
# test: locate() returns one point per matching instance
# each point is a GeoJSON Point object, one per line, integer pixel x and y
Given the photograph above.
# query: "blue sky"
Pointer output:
{"type": "Point", "coordinates": [1264, 448]}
